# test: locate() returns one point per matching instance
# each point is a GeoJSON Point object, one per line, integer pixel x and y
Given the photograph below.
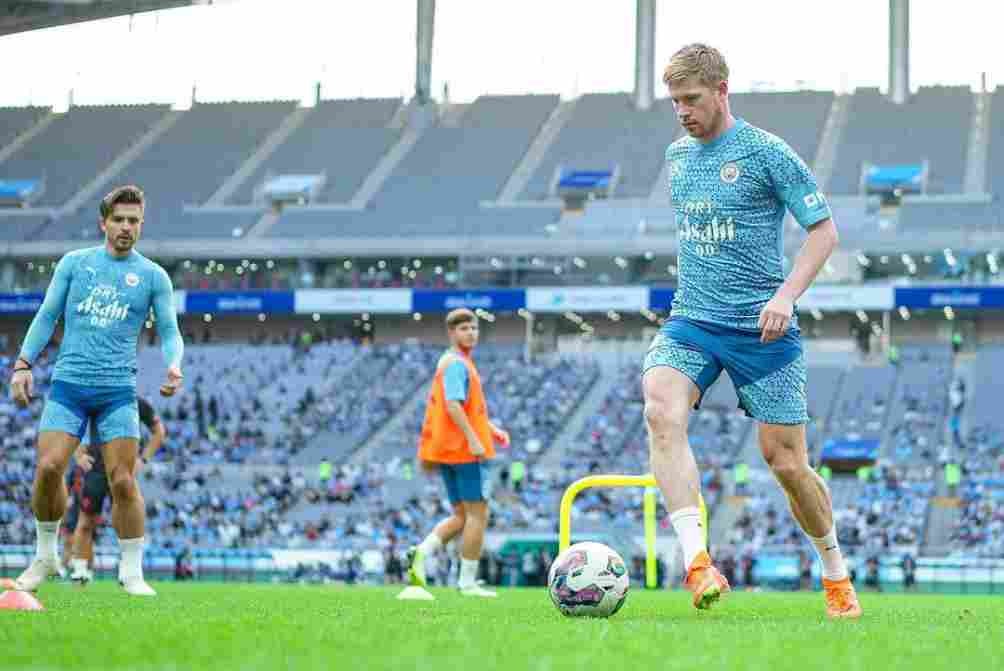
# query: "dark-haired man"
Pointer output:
{"type": "Point", "coordinates": [104, 295]}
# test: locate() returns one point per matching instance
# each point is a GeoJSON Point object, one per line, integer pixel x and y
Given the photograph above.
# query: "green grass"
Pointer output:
{"type": "Point", "coordinates": [217, 626]}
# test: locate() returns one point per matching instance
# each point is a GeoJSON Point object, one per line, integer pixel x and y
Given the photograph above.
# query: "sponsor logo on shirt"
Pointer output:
{"type": "Point", "coordinates": [105, 305]}
{"type": "Point", "coordinates": [709, 235]}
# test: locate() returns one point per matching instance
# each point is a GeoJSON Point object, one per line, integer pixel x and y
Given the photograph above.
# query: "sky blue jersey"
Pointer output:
{"type": "Point", "coordinates": [104, 302]}
{"type": "Point", "coordinates": [730, 197]}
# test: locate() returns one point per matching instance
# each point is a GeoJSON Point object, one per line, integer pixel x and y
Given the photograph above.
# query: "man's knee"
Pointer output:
{"type": "Point", "coordinates": [123, 485]}
{"type": "Point", "coordinates": [666, 419]}
{"type": "Point", "coordinates": [476, 511]}
{"type": "Point", "coordinates": [786, 459]}
{"type": "Point", "coordinates": [50, 469]}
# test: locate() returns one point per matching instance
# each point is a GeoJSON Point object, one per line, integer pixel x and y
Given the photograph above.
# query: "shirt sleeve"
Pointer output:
{"type": "Point", "coordinates": [171, 344]}
{"type": "Point", "coordinates": [796, 186]}
{"type": "Point", "coordinates": [455, 381]}
{"type": "Point", "coordinates": [44, 323]}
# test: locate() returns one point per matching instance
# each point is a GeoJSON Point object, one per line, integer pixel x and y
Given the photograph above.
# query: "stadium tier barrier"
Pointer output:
{"type": "Point", "coordinates": [772, 570]}
{"type": "Point", "coordinates": [538, 299]}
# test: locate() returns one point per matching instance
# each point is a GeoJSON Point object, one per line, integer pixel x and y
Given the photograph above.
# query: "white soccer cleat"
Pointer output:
{"type": "Point", "coordinates": [36, 573]}
{"type": "Point", "coordinates": [136, 586]}
{"type": "Point", "coordinates": [478, 591]}
{"type": "Point", "coordinates": [81, 576]}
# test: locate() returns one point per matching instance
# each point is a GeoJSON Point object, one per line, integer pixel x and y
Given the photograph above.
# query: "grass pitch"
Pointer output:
{"type": "Point", "coordinates": [220, 626]}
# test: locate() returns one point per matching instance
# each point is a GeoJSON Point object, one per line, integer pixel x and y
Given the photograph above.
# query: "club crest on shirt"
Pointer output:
{"type": "Point", "coordinates": [131, 279]}
{"type": "Point", "coordinates": [730, 172]}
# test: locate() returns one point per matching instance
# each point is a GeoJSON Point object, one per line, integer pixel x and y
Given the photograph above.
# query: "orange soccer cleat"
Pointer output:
{"type": "Point", "coordinates": [705, 582]}
{"type": "Point", "coordinates": [841, 599]}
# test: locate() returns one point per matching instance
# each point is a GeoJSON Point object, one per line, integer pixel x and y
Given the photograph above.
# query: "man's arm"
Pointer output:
{"type": "Point", "coordinates": [500, 435]}
{"type": "Point", "coordinates": [811, 258]}
{"type": "Point", "coordinates": [171, 344]}
{"type": "Point", "coordinates": [796, 187]}
{"type": "Point", "coordinates": [39, 333]}
{"type": "Point", "coordinates": [455, 410]}
{"type": "Point", "coordinates": [776, 315]}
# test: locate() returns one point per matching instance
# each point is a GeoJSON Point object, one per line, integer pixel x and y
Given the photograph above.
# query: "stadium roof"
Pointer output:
{"type": "Point", "coordinates": [16, 17]}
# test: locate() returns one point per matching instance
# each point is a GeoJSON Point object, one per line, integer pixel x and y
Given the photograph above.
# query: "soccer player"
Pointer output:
{"type": "Point", "coordinates": [88, 505]}
{"type": "Point", "coordinates": [104, 295]}
{"type": "Point", "coordinates": [457, 437]}
{"type": "Point", "coordinates": [731, 184]}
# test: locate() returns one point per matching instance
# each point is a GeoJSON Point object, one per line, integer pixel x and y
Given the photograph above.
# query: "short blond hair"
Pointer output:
{"type": "Point", "coordinates": [697, 60]}
{"type": "Point", "coordinates": [459, 316]}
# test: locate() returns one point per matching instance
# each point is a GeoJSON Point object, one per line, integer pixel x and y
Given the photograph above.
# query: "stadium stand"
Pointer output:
{"type": "Point", "coordinates": [605, 132]}
{"type": "Point", "coordinates": [798, 116]}
{"type": "Point", "coordinates": [341, 139]}
{"type": "Point", "coordinates": [457, 167]}
{"type": "Point", "coordinates": [185, 166]}
{"type": "Point", "coordinates": [919, 406]}
{"type": "Point", "coordinates": [862, 406]}
{"type": "Point", "coordinates": [22, 227]}
{"type": "Point", "coordinates": [923, 216]}
{"type": "Point", "coordinates": [877, 132]}
{"type": "Point", "coordinates": [305, 222]}
{"type": "Point", "coordinates": [16, 120]}
{"type": "Point", "coordinates": [96, 134]}
{"type": "Point", "coordinates": [435, 190]}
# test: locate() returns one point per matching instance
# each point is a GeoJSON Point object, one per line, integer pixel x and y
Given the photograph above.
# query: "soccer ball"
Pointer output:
{"type": "Point", "coordinates": [588, 580]}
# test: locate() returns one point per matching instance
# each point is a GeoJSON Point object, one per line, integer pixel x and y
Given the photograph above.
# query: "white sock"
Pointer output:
{"type": "Point", "coordinates": [131, 563]}
{"type": "Point", "coordinates": [687, 524]}
{"type": "Point", "coordinates": [46, 534]}
{"type": "Point", "coordinates": [829, 553]}
{"type": "Point", "coordinates": [78, 565]}
{"type": "Point", "coordinates": [468, 573]}
{"type": "Point", "coordinates": [430, 545]}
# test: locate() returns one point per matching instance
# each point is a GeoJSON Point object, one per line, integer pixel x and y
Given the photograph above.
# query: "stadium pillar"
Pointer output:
{"type": "Point", "coordinates": [644, 54]}
{"type": "Point", "coordinates": [423, 61]}
{"type": "Point", "coordinates": [899, 50]}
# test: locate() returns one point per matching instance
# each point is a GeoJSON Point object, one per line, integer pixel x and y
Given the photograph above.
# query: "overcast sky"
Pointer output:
{"type": "Point", "coordinates": [267, 49]}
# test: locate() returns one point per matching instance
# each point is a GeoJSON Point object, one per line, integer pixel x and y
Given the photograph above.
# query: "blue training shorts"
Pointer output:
{"type": "Point", "coordinates": [769, 377]}
{"type": "Point", "coordinates": [112, 410]}
{"type": "Point", "coordinates": [463, 482]}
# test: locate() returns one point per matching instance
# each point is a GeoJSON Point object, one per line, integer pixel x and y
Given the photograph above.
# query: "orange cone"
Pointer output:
{"type": "Point", "coordinates": [15, 600]}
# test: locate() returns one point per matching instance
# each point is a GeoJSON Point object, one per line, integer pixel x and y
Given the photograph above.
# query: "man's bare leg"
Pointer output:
{"type": "Point", "coordinates": [669, 396]}
{"type": "Point", "coordinates": [443, 533]}
{"type": "Point", "coordinates": [48, 502]}
{"type": "Point", "coordinates": [785, 450]}
{"type": "Point", "coordinates": [128, 511]}
{"type": "Point", "coordinates": [470, 552]}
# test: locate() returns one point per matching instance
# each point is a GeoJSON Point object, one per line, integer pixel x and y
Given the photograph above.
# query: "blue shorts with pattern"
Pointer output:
{"type": "Point", "coordinates": [769, 377]}
{"type": "Point", "coordinates": [112, 411]}
{"type": "Point", "coordinates": [464, 482]}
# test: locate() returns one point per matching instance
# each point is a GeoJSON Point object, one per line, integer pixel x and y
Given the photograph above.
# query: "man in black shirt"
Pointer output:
{"type": "Point", "coordinates": [89, 504]}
